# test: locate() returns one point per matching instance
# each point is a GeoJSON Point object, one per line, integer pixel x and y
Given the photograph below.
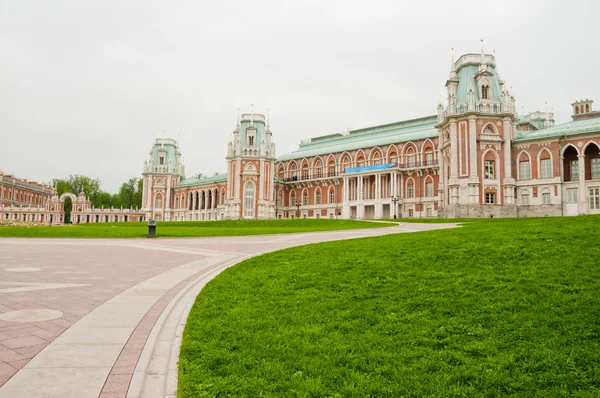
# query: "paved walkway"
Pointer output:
{"type": "Point", "coordinates": [103, 318]}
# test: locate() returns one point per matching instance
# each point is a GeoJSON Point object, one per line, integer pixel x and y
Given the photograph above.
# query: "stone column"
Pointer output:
{"type": "Point", "coordinates": [583, 209]}
{"type": "Point", "coordinates": [236, 186]}
{"type": "Point", "coordinates": [261, 183]}
{"type": "Point", "coordinates": [507, 149]}
{"type": "Point", "coordinates": [453, 151]}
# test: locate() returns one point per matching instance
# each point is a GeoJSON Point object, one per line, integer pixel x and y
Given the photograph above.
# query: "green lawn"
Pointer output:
{"type": "Point", "coordinates": [185, 229]}
{"type": "Point", "coordinates": [498, 307]}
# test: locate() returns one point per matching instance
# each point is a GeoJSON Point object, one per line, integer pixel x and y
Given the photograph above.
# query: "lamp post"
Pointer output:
{"type": "Point", "coordinates": [395, 200]}
{"type": "Point", "coordinates": [298, 211]}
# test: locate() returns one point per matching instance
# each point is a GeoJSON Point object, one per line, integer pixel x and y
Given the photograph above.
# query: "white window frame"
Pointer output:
{"type": "Point", "coordinates": [545, 168]}
{"type": "Point", "coordinates": [524, 170]}
{"type": "Point", "coordinates": [594, 198]}
{"type": "Point", "coordinates": [571, 195]}
{"type": "Point", "coordinates": [546, 197]}
{"type": "Point", "coordinates": [249, 193]}
{"type": "Point", "coordinates": [489, 167]}
{"type": "Point", "coordinates": [410, 191]}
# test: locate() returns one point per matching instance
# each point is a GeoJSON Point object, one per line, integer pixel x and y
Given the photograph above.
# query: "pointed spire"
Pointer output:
{"type": "Point", "coordinates": [252, 117]}
{"type": "Point", "coordinates": [483, 66]}
{"type": "Point", "coordinates": [268, 119]}
{"type": "Point", "coordinates": [452, 67]}
{"type": "Point", "coordinates": [238, 118]}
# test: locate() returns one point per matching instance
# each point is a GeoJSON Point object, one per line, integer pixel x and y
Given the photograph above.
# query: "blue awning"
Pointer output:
{"type": "Point", "coordinates": [370, 168]}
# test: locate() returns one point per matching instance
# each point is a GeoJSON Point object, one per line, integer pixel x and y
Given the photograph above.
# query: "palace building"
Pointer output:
{"type": "Point", "coordinates": [475, 158]}
{"type": "Point", "coordinates": [23, 201]}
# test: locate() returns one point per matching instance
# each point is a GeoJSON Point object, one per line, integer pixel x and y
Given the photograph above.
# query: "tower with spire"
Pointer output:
{"type": "Point", "coordinates": [475, 131]}
{"type": "Point", "coordinates": [162, 171]}
{"type": "Point", "coordinates": [250, 165]}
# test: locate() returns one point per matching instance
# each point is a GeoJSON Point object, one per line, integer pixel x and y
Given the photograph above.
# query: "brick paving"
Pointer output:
{"type": "Point", "coordinates": [108, 269]}
{"type": "Point", "coordinates": [103, 271]}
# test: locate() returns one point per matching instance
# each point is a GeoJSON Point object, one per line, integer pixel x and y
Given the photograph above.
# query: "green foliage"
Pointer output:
{"type": "Point", "coordinates": [129, 195]}
{"type": "Point", "coordinates": [503, 307]}
{"type": "Point", "coordinates": [186, 228]}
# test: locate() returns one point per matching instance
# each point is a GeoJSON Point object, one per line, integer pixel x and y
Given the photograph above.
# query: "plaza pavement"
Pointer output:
{"type": "Point", "coordinates": [104, 317]}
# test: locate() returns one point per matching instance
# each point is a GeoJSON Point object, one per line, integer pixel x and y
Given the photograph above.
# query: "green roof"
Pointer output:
{"type": "Point", "coordinates": [408, 130]}
{"type": "Point", "coordinates": [204, 181]}
{"type": "Point", "coordinates": [571, 128]}
{"type": "Point", "coordinates": [466, 81]}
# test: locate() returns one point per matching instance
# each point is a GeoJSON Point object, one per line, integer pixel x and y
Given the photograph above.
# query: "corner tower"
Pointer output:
{"type": "Point", "coordinates": [162, 171]}
{"type": "Point", "coordinates": [475, 132]}
{"type": "Point", "coordinates": [250, 170]}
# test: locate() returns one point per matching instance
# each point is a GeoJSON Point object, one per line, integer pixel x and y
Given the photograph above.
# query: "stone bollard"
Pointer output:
{"type": "Point", "coordinates": [151, 228]}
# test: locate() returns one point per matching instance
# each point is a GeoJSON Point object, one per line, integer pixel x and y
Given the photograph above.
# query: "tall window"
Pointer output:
{"type": "Point", "coordinates": [411, 160]}
{"type": "Point", "coordinates": [161, 160]}
{"type": "Point", "coordinates": [489, 169]}
{"type": "Point", "coordinates": [595, 164]}
{"type": "Point", "coordinates": [410, 191]}
{"type": "Point", "coordinates": [574, 168]}
{"type": "Point", "coordinates": [524, 171]}
{"type": "Point", "coordinates": [546, 168]}
{"type": "Point", "coordinates": [293, 198]}
{"type": "Point", "coordinates": [429, 158]}
{"type": "Point", "coordinates": [223, 197]}
{"type": "Point", "coordinates": [525, 198]}
{"type": "Point", "coordinates": [280, 199]}
{"type": "Point", "coordinates": [251, 140]}
{"type": "Point", "coordinates": [361, 162]}
{"type": "Point", "coordinates": [158, 203]}
{"type": "Point", "coordinates": [572, 195]}
{"type": "Point", "coordinates": [319, 171]}
{"type": "Point", "coordinates": [429, 189]}
{"type": "Point", "coordinates": [305, 173]}
{"type": "Point", "coordinates": [490, 198]}
{"type": "Point", "coordinates": [411, 213]}
{"type": "Point", "coordinates": [332, 196]}
{"type": "Point", "coordinates": [318, 197]}
{"type": "Point", "coordinates": [331, 170]}
{"type": "Point", "coordinates": [595, 198]}
{"type": "Point", "coordinates": [305, 198]}
{"type": "Point", "coordinates": [546, 197]}
{"type": "Point", "coordinates": [249, 199]}
{"type": "Point", "coordinates": [428, 212]}
{"type": "Point", "coordinates": [484, 92]}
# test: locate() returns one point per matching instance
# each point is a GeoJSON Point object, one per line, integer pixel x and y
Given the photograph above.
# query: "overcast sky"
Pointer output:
{"type": "Point", "coordinates": [85, 86]}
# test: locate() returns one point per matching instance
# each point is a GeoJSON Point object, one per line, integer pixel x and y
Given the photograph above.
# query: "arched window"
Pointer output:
{"type": "Point", "coordinates": [249, 199]}
{"type": "Point", "coordinates": [428, 157]}
{"type": "Point", "coordinates": [305, 172]}
{"type": "Point", "coordinates": [410, 190]}
{"type": "Point", "coordinates": [546, 199]}
{"type": "Point", "coordinates": [223, 197]}
{"type": "Point", "coordinates": [587, 108]}
{"type": "Point", "coordinates": [332, 195]}
{"type": "Point", "coordinates": [577, 110]}
{"type": "Point", "coordinates": [158, 202]}
{"type": "Point", "coordinates": [318, 197]}
{"type": "Point", "coordinates": [484, 92]}
{"type": "Point", "coordinates": [489, 170]}
{"type": "Point", "coordinates": [293, 198]}
{"type": "Point", "coordinates": [305, 198]}
{"type": "Point", "coordinates": [280, 198]}
{"type": "Point", "coordinates": [488, 130]}
{"type": "Point", "coordinates": [319, 169]}
{"type": "Point", "coordinates": [525, 198]}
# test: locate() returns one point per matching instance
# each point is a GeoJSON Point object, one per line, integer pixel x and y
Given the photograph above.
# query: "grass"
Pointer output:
{"type": "Point", "coordinates": [502, 307]}
{"type": "Point", "coordinates": [185, 229]}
